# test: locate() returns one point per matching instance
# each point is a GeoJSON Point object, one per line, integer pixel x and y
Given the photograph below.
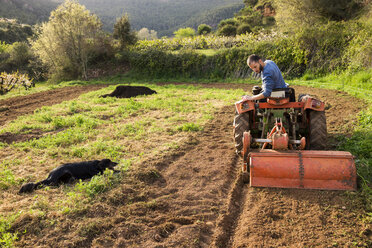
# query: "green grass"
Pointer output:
{"type": "Point", "coordinates": [358, 84]}
{"type": "Point", "coordinates": [132, 130]}
{"type": "Point", "coordinates": [21, 91]}
{"type": "Point", "coordinates": [7, 238]}
{"type": "Point", "coordinates": [98, 184]}
{"type": "Point", "coordinates": [91, 127]}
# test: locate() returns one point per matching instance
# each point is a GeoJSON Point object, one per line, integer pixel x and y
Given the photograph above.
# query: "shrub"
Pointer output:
{"type": "Point", "coordinates": [204, 29]}
{"type": "Point", "coordinates": [184, 32]}
{"type": "Point", "coordinates": [243, 29]}
{"type": "Point", "coordinates": [19, 54]}
{"type": "Point", "coordinates": [227, 30]}
{"type": "Point", "coordinates": [12, 81]}
{"type": "Point", "coordinates": [358, 54]}
{"type": "Point", "coordinates": [186, 64]}
{"type": "Point", "coordinates": [319, 49]}
{"type": "Point", "coordinates": [324, 46]}
{"type": "Point", "coordinates": [226, 22]}
{"type": "Point", "coordinates": [3, 46]}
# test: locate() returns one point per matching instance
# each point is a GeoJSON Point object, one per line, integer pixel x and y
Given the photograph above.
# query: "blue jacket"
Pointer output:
{"type": "Point", "coordinates": [271, 78]}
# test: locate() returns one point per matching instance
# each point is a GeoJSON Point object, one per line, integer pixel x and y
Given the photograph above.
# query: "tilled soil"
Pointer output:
{"type": "Point", "coordinates": [11, 108]}
{"type": "Point", "coordinates": [193, 196]}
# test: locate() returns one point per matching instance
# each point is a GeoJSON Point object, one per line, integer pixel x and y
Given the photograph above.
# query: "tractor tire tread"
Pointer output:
{"type": "Point", "coordinates": [318, 130]}
{"type": "Point", "coordinates": [241, 124]}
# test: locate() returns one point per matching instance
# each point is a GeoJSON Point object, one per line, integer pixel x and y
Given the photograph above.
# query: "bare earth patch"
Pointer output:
{"type": "Point", "coordinates": [11, 108]}
{"type": "Point", "coordinates": [193, 196]}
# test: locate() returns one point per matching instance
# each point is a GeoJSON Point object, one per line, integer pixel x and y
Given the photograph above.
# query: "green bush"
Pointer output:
{"type": "Point", "coordinates": [3, 46]}
{"type": "Point", "coordinates": [324, 46]}
{"type": "Point", "coordinates": [358, 54]}
{"type": "Point", "coordinates": [227, 30]}
{"type": "Point", "coordinates": [243, 29]}
{"type": "Point", "coordinates": [19, 54]}
{"type": "Point", "coordinates": [225, 63]}
{"type": "Point", "coordinates": [184, 32]}
{"type": "Point", "coordinates": [189, 64]}
{"type": "Point", "coordinates": [226, 22]}
{"type": "Point", "coordinates": [19, 57]}
{"type": "Point", "coordinates": [204, 29]}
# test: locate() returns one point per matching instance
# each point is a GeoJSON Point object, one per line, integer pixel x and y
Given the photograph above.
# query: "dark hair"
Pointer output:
{"type": "Point", "coordinates": [253, 58]}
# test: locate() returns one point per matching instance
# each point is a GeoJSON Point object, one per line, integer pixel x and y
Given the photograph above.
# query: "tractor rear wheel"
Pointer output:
{"type": "Point", "coordinates": [317, 139]}
{"type": "Point", "coordinates": [241, 124]}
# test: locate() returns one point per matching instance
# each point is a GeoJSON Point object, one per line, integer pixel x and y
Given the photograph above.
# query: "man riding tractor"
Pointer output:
{"type": "Point", "coordinates": [282, 141]}
{"type": "Point", "coordinates": [271, 76]}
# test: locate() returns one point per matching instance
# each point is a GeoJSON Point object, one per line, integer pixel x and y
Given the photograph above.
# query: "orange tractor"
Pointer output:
{"type": "Point", "coordinates": [283, 141]}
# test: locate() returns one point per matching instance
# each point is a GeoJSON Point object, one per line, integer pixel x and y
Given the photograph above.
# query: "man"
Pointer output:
{"type": "Point", "coordinates": [271, 76]}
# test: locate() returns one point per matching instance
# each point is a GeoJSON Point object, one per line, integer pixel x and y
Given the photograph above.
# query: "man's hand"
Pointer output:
{"type": "Point", "coordinates": [245, 98]}
{"type": "Point", "coordinates": [256, 97]}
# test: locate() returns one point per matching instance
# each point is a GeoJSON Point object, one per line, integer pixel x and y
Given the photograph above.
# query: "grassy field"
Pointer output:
{"type": "Point", "coordinates": [90, 127]}
{"type": "Point", "coordinates": [130, 131]}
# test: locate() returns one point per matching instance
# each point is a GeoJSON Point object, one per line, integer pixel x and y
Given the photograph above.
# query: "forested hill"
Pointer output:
{"type": "Point", "coordinates": [27, 11]}
{"type": "Point", "coordinates": [163, 16]}
{"type": "Point", "coordinates": [212, 17]}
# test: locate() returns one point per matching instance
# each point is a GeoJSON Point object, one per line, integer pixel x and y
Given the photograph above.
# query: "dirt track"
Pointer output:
{"type": "Point", "coordinates": [193, 197]}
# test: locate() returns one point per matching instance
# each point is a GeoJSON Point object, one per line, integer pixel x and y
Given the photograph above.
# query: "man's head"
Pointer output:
{"type": "Point", "coordinates": [255, 63]}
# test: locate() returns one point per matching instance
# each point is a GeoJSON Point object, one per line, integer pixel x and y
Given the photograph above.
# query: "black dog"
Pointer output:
{"type": "Point", "coordinates": [130, 91]}
{"type": "Point", "coordinates": [68, 172]}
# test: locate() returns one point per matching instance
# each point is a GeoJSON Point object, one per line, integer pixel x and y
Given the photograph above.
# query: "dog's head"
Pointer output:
{"type": "Point", "coordinates": [27, 188]}
{"type": "Point", "coordinates": [107, 163]}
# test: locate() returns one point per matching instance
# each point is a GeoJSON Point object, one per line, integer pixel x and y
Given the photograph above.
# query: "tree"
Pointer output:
{"type": "Point", "coordinates": [64, 43]}
{"type": "Point", "coordinates": [19, 54]}
{"type": "Point", "coordinates": [123, 32]}
{"type": "Point", "coordinates": [296, 14]}
{"type": "Point", "coordinates": [145, 34]}
{"type": "Point", "coordinates": [184, 32]}
{"type": "Point", "coordinates": [204, 29]}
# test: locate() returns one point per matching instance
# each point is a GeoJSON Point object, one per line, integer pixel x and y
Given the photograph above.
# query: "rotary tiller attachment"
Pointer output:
{"type": "Point", "coordinates": [284, 168]}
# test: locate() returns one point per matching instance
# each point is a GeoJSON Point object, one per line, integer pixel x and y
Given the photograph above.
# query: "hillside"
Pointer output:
{"type": "Point", "coordinates": [12, 31]}
{"type": "Point", "coordinates": [27, 11]}
{"type": "Point", "coordinates": [164, 16]}
{"type": "Point", "coordinates": [213, 16]}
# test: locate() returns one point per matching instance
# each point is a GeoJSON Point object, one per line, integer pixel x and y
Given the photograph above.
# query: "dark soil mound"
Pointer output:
{"type": "Point", "coordinates": [130, 91]}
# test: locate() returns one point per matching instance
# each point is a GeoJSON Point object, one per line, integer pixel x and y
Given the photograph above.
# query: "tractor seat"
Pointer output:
{"type": "Point", "coordinates": [284, 92]}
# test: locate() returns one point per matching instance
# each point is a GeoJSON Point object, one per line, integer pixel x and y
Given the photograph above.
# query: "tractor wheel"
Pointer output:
{"type": "Point", "coordinates": [241, 124]}
{"type": "Point", "coordinates": [317, 139]}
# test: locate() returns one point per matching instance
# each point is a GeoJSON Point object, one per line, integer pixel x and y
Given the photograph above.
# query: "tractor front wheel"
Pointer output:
{"type": "Point", "coordinates": [317, 139]}
{"type": "Point", "coordinates": [241, 124]}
